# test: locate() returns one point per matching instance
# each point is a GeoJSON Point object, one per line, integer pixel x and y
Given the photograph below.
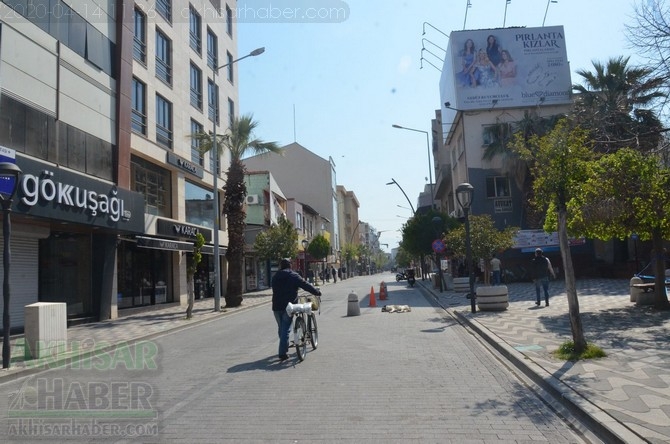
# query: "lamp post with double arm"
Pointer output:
{"type": "Point", "coordinates": [215, 181]}
{"type": "Point", "coordinates": [430, 168]}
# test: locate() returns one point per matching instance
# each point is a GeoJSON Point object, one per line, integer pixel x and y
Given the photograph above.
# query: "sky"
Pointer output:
{"type": "Point", "coordinates": [337, 84]}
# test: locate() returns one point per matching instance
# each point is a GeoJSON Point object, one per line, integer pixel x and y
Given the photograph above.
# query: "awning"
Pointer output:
{"type": "Point", "coordinates": [209, 249]}
{"type": "Point", "coordinates": [163, 244]}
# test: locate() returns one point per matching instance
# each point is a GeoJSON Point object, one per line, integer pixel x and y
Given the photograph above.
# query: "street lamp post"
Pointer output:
{"type": "Point", "coordinates": [215, 182]}
{"type": "Point", "coordinates": [403, 192]}
{"type": "Point", "coordinates": [305, 243]}
{"type": "Point", "coordinates": [464, 194]}
{"type": "Point", "coordinates": [430, 168]}
{"type": "Point", "coordinates": [9, 181]}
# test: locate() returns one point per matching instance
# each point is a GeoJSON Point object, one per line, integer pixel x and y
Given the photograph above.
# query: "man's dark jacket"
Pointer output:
{"type": "Point", "coordinates": [285, 284]}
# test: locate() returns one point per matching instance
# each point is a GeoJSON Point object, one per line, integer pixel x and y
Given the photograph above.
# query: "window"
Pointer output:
{"type": "Point", "coordinates": [496, 134]}
{"type": "Point", "coordinates": [163, 58]}
{"type": "Point", "coordinates": [229, 20]}
{"type": "Point", "coordinates": [497, 187]}
{"type": "Point", "coordinates": [140, 38]}
{"type": "Point", "coordinates": [212, 50]}
{"type": "Point", "coordinates": [195, 30]}
{"type": "Point", "coordinates": [196, 87]}
{"type": "Point", "coordinates": [138, 120]}
{"type": "Point", "coordinates": [229, 61]}
{"type": "Point", "coordinates": [196, 155]}
{"type": "Point", "coordinates": [164, 8]}
{"type": "Point", "coordinates": [199, 205]}
{"type": "Point", "coordinates": [154, 183]}
{"type": "Point", "coordinates": [163, 121]}
{"type": "Point", "coordinates": [213, 100]}
{"type": "Point", "coordinates": [231, 112]}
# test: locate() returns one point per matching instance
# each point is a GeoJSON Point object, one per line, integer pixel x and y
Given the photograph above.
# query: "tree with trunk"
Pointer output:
{"type": "Point", "coordinates": [419, 232]}
{"type": "Point", "coordinates": [628, 192]}
{"type": "Point", "coordinates": [319, 248]}
{"type": "Point", "coordinates": [238, 140]}
{"type": "Point", "coordinates": [485, 240]}
{"type": "Point", "coordinates": [191, 267]}
{"type": "Point", "coordinates": [277, 242]}
{"type": "Point", "coordinates": [615, 104]}
{"type": "Point", "coordinates": [560, 162]}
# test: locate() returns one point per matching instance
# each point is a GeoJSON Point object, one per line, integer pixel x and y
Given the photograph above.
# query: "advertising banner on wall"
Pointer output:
{"type": "Point", "coordinates": [507, 67]}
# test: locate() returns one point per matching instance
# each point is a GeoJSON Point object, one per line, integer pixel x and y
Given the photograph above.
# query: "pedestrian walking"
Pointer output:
{"type": "Point", "coordinates": [285, 284]}
{"type": "Point", "coordinates": [541, 269]}
{"type": "Point", "coordinates": [334, 273]}
{"type": "Point", "coordinates": [495, 268]}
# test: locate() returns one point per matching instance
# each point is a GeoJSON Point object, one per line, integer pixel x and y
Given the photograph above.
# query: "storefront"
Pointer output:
{"type": "Point", "coordinates": [65, 228]}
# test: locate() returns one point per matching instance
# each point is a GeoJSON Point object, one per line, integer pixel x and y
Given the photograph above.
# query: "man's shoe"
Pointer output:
{"type": "Point", "coordinates": [546, 304]}
{"type": "Point", "coordinates": [537, 303]}
{"type": "Point", "coordinates": [283, 357]}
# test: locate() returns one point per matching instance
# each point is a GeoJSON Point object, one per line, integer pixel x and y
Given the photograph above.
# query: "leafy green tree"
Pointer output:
{"type": "Point", "coordinates": [349, 254]}
{"type": "Point", "coordinates": [191, 268]}
{"type": "Point", "coordinates": [419, 232]}
{"type": "Point", "coordinates": [485, 240]}
{"type": "Point", "coordinates": [319, 248]}
{"type": "Point", "coordinates": [238, 140]}
{"type": "Point", "coordinates": [627, 192]}
{"type": "Point", "coordinates": [615, 104]}
{"type": "Point", "coordinates": [561, 162]}
{"type": "Point", "coordinates": [277, 242]}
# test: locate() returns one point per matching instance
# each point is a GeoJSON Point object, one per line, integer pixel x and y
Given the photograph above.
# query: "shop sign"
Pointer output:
{"type": "Point", "coordinates": [502, 205]}
{"type": "Point", "coordinates": [53, 192]}
{"type": "Point", "coordinates": [171, 228]}
{"type": "Point", "coordinates": [185, 165]}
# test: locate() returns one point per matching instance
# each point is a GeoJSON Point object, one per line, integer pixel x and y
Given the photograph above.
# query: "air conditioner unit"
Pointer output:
{"type": "Point", "coordinates": [252, 199]}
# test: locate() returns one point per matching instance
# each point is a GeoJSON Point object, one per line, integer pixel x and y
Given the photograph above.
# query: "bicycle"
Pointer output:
{"type": "Point", "coordinates": [304, 326]}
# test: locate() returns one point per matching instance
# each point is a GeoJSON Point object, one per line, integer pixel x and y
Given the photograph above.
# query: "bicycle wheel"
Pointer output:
{"type": "Point", "coordinates": [299, 331]}
{"type": "Point", "coordinates": [313, 332]}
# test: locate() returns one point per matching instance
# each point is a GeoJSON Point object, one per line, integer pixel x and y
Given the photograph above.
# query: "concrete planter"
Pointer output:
{"type": "Point", "coordinates": [494, 298]}
{"type": "Point", "coordinates": [462, 284]}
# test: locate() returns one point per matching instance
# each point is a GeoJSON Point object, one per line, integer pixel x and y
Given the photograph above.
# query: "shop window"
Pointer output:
{"type": "Point", "coordinates": [199, 205]}
{"type": "Point", "coordinates": [496, 134]}
{"type": "Point", "coordinates": [154, 183]}
{"type": "Point", "coordinates": [497, 187]}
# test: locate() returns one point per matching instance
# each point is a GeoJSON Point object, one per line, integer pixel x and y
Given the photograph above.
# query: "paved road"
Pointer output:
{"type": "Point", "coordinates": [377, 377]}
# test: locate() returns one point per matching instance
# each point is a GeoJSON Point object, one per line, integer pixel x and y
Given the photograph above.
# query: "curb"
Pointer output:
{"type": "Point", "coordinates": [599, 422]}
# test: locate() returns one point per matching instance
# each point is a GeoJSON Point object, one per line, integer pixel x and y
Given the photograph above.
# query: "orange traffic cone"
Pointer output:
{"type": "Point", "coordinates": [373, 303]}
{"type": "Point", "coordinates": [382, 291]}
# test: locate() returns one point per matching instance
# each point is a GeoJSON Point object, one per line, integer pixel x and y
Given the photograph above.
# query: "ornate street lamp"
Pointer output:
{"type": "Point", "coordinates": [215, 184]}
{"type": "Point", "coordinates": [464, 194]}
{"type": "Point", "coordinates": [305, 243]}
{"type": "Point", "coordinates": [9, 182]}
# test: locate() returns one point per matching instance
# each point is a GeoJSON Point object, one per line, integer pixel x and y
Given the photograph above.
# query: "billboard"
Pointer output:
{"type": "Point", "coordinates": [7, 182]}
{"type": "Point", "coordinates": [506, 67]}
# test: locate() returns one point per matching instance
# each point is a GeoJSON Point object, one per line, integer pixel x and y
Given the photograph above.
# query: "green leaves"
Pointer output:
{"type": "Point", "coordinates": [278, 242]}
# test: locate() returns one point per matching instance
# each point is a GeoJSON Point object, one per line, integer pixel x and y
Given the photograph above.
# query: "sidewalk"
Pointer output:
{"type": "Point", "coordinates": [627, 394]}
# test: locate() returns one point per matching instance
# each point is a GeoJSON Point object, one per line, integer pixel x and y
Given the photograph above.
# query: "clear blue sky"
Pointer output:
{"type": "Point", "coordinates": [350, 80]}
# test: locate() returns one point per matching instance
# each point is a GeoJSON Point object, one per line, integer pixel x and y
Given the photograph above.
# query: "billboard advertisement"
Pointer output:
{"type": "Point", "coordinates": [507, 67]}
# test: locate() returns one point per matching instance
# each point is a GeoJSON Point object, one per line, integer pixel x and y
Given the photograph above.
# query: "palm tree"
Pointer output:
{"type": "Point", "coordinates": [615, 104]}
{"type": "Point", "coordinates": [238, 140]}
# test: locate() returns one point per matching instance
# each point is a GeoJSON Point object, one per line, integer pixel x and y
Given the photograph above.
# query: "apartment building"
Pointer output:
{"type": "Point", "coordinates": [96, 112]}
{"type": "Point", "coordinates": [309, 179]}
